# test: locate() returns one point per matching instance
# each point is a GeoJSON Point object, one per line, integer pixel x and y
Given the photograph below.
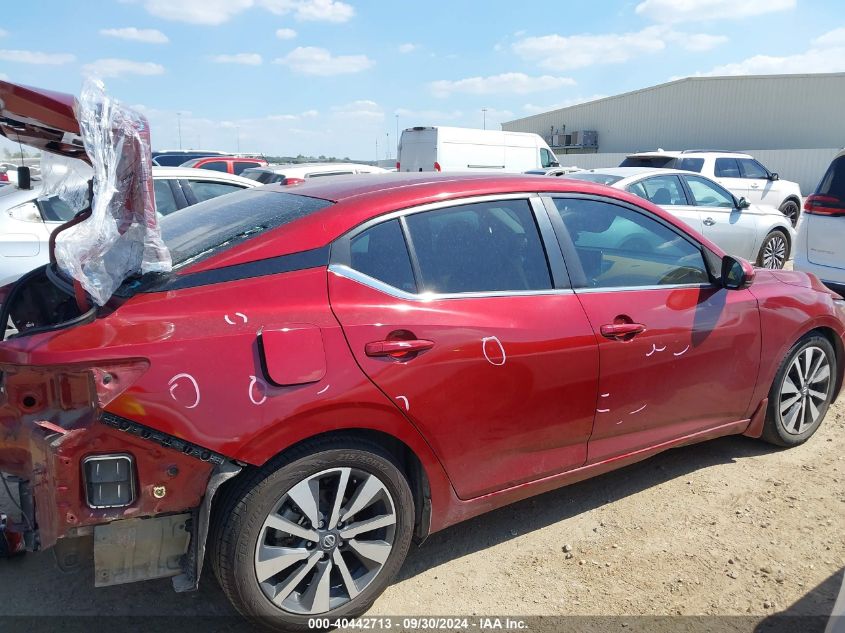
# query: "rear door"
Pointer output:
{"type": "Point", "coordinates": [418, 150]}
{"type": "Point", "coordinates": [733, 229]}
{"type": "Point", "coordinates": [678, 354]}
{"type": "Point", "coordinates": [487, 352]}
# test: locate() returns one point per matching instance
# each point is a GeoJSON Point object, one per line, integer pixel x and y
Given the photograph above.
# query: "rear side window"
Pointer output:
{"type": "Point", "coordinates": [689, 164]}
{"type": "Point", "coordinates": [381, 253]}
{"type": "Point", "coordinates": [726, 168]}
{"type": "Point", "coordinates": [54, 209]}
{"type": "Point", "coordinates": [833, 182]}
{"type": "Point", "coordinates": [206, 190]}
{"type": "Point", "coordinates": [216, 165]}
{"type": "Point", "coordinates": [239, 165]}
{"type": "Point", "coordinates": [666, 190]}
{"type": "Point", "coordinates": [213, 226]}
{"type": "Point", "coordinates": [483, 247]}
{"type": "Point", "coordinates": [752, 169]}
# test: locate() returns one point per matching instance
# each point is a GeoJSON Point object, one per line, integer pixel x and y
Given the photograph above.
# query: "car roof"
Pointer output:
{"type": "Point", "coordinates": [282, 167]}
{"type": "Point", "coordinates": [209, 174]}
{"type": "Point", "coordinates": [632, 172]}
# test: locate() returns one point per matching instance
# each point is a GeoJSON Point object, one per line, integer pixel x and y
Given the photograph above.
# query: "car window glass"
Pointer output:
{"type": "Point", "coordinates": [483, 247]}
{"type": "Point", "coordinates": [206, 190]}
{"type": "Point", "coordinates": [54, 209]}
{"type": "Point", "coordinates": [165, 202]}
{"type": "Point", "coordinates": [602, 179]}
{"type": "Point", "coordinates": [239, 165]}
{"type": "Point", "coordinates": [833, 182]}
{"type": "Point", "coordinates": [546, 157]}
{"type": "Point", "coordinates": [709, 194]}
{"type": "Point", "coordinates": [216, 165]}
{"type": "Point", "coordinates": [726, 168]}
{"type": "Point", "coordinates": [319, 174]}
{"type": "Point", "coordinates": [752, 169]}
{"type": "Point", "coordinates": [619, 248]}
{"type": "Point", "coordinates": [689, 164]}
{"type": "Point", "coordinates": [637, 189]}
{"type": "Point", "coordinates": [666, 190]}
{"type": "Point", "coordinates": [381, 253]}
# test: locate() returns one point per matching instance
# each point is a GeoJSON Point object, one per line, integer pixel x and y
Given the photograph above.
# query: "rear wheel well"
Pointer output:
{"type": "Point", "coordinates": [791, 198]}
{"type": "Point", "coordinates": [405, 458]}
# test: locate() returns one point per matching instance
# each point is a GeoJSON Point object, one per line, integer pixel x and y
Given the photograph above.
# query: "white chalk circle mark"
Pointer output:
{"type": "Point", "coordinates": [257, 381]}
{"type": "Point", "coordinates": [488, 339]}
{"type": "Point", "coordinates": [405, 401]}
{"type": "Point", "coordinates": [602, 410]}
{"type": "Point", "coordinates": [682, 352]}
{"type": "Point", "coordinates": [323, 390]}
{"type": "Point", "coordinates": [638, 410]}
{"type": "Point", "coordinates": [237, 314]}
{"type": "Point", "coordinates": [173, 383]}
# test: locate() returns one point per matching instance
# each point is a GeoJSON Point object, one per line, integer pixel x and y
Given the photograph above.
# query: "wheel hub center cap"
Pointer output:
{"type": "Point", "coordinates": [328, 542]}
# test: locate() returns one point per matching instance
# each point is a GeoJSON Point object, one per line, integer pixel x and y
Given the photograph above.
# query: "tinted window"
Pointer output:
{"type": "Point", "coordinates": [618, 247]}
{"type": "Point", "coordinates": [666, 190]}
{"type": "Point", "coordinates": [217, 224]}
{"type": "Point", "coordinates": [647, 161]}
{"type": "Point", "coordinates": [727, 168]}
{"type": "Point", "coordinates": [752, 169]}
{"type": "Point", "coordinates": [216, 165]}
{"type": "Point", "coordinates": [833, 182]}
{"type": "Point", "coordinates": [689, 164]}
{"type": "Point", "coordinates": [239, 165]}
{"type": "Point", "coordinates": [381, 253]}
{"type": "Point", "coordinates": [55, 209]}
{"type": "Point", "coordinates": [706, 193]}
{"type": "Point", "coordinates": [165, 202]}
{"type": "Point", "coordinates": [546, 157]}
{"type": "Point", "coordinates": [206, 190]}
{"type": "Point", "coordinates": [261, 175]}
{"type": "Point", "coordinates": [602, 179]}
{"type": "Point", "coordinates": [488, 246]}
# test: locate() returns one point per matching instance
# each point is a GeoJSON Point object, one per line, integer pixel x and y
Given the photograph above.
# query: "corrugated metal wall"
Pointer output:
{"type": "Point", "coordinates": [765, 112]}
{"type": "Point", "coordinates": [804, 166]}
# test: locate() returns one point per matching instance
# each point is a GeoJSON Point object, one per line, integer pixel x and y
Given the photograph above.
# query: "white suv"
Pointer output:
{"type": "Point", "coordinates": [820, 245]}
{"type": "Point", "coordinates": [740, 174]}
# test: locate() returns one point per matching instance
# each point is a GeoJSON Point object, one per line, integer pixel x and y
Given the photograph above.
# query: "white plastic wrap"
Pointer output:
{"type": "Point", "coordinates": [66, 178]}
{"type": "Point", "coordinates": [122, 236]}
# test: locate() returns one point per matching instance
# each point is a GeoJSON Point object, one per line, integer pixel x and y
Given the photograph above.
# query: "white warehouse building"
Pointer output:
{"type": "Point", "coordinates": [793, 124]}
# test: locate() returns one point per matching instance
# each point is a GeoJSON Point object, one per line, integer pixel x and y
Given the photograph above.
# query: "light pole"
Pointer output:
{"type": "Point", "coordinates": [484, 118]}
{"type": "Point", "coordinates": [397, 136]}
{"type": "Point", "coordinates": [179, 125]}
{"type": "Point", "coordinates": [388, 147]}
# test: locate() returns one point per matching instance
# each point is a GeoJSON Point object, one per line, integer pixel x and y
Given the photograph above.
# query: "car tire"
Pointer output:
{"type": "Point", "coordinates": [256, 560]}
{"type": "Point", "coordinates": [774, 251]}
{"type": "Point", "coordinates": [791, 210]}
{"type": "Point", "coordinates": [801, 392]}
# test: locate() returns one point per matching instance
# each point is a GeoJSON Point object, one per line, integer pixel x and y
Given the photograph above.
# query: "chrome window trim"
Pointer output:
{"type": "Point", "coordinates": [655, 287]}
{"type": "Point", "coordinates": [132, 474]}
{"type": "Point", "coordinates": [426, 297]}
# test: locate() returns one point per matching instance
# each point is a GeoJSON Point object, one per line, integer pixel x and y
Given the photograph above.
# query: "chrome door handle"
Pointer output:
{"type": "Point", "coordinates": [397, 348]}
{"type": "Point", "coordinates": [754, 185]}
{"type": "Point", "coordinates": [709, 222]}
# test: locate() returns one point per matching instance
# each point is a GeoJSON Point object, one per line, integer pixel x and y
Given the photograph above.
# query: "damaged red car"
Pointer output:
{"type": "Point", "coordinates": [336, 370]}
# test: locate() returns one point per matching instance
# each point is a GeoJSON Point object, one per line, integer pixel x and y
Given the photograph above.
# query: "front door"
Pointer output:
{"type": "Point", "coordinates": [678, 355]}
{"type": "Point", "coordinates": [733, 229]}
{"type": "Point", "coordinates": [493, 361]}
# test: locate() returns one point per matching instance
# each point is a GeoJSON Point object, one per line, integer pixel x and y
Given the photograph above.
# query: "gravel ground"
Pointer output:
{"type": "Point", "coordinates": [731, 527]}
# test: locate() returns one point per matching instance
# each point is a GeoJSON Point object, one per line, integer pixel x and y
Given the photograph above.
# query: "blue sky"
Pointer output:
{"type": "Point", "coordinates": [329, 76]}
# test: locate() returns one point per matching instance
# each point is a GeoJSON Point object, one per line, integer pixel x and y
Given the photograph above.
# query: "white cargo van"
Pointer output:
{"type": "Point", "coordinates": [469, 149]}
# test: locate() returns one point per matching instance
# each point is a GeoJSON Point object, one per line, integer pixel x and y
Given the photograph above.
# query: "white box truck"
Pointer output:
{"type": "Point", "coordinates": [469, 149]}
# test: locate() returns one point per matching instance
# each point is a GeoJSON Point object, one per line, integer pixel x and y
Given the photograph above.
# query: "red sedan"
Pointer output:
{"type": "Point", "coordinates": [337, 369]}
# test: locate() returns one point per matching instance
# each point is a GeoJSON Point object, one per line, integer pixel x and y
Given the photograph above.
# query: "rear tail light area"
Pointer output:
{"type": "Point", "coordinates": [436, 166]}
{"type": "Point", "coordinates": [398, 166]}
{"type": "Point", "coordinates": [109, 480]}
{"type": "Point", "coordinates": [294, 181]}
{"type": "Point", "coordinates": [4, 177]}
{"type": "Point", "coordinates": [818, 204]}
{"type": "Point", "coordinates": [68, 388]}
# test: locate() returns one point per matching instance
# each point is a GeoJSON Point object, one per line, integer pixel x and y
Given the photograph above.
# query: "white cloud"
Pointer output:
{"type": "Point", "coordinates": [36, 57]}
{"type": "Point", "coordinates": [148, 36]}
{"type": "Point", "coordinates": [671, 11]}
{"type": "Point", "coordinates": [429, 115]}
{"type": "Point", "coordinates": [558, 52]}
{"type": "Point", "coordinates": [210, 12]}
{"type": "Point", "coordinates": [285, 34]}
{"type": "Point", "coordinates": [311, 60]}
{"type": "Point", "coordinates": [530, 108]}
{"type": "Point", "coordinates": [507, 83]}
{"type": "Point", "coordinates": [310, 114]}
{"type": "Point", "coordinates": [247, 59]}
{"type": "Point", "coordinates": [112, 67]}
{"type": "Point", "coordinates": [826, 55]}
{"type": "Point", "coordinates": [361, 109]}
{"type": "Point", "coordinates": [696, 42]}
{"type": "Point", "coordinates": [311, 10]}
{"type": "Point", "coordinates": [407, 48]}
{"type": "Point", "coordinates": [3, 33]}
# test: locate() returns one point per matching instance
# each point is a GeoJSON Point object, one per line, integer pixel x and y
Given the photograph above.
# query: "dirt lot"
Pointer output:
{"type": "Point", "coordinates": [729, 527]}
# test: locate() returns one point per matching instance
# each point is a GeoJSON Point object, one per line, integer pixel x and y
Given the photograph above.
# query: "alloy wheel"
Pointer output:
{"type": "Point", "coordinates": [774, 252]}
{"type": "Point", "coordinates": [804, 390]}
{"type": "Point", "coordinates": [325, 541]}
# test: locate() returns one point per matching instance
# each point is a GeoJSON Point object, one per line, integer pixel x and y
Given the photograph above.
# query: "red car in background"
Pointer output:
{"type": "Point", "coordinates": [330, 374]}
{"type": "Point", "coordinates": [229, 164]}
